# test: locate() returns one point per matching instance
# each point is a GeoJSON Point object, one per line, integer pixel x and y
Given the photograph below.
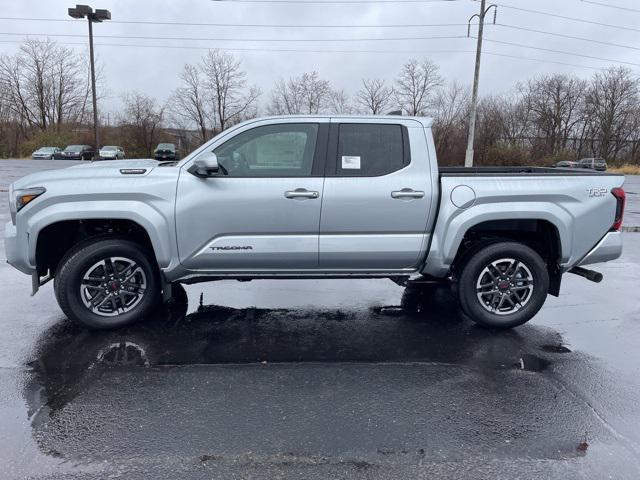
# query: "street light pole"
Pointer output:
{"type": "Point", "coordinates": [96, 132]}
{"type": "Point", "coordinates": [82, 11]}
{"type": "Point", "coordinates": [468, 158]}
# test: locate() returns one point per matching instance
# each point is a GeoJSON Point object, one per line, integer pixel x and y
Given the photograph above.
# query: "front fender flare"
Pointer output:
{"type": "Point", "coordinates": [160, 230]}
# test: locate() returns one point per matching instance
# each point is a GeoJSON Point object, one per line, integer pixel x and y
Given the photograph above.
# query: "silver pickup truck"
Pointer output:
{"type": "Point", "coordinates": [311, 197]}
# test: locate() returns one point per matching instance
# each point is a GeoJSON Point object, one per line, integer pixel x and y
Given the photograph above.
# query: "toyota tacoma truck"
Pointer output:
{"type": "Point", "coordinates": [311, 197]}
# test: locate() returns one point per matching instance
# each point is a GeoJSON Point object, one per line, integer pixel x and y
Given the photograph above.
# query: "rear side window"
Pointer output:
{"type": "Point", "coordinates": [369, 149]}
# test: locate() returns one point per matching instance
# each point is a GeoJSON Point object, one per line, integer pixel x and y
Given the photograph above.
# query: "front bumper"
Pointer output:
{"type": "Point", "coordinates": [17, 249]}
{"type": "Point", "coordinates": [609, 248]}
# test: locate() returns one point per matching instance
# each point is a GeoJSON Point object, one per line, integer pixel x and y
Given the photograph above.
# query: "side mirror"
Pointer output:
{"type": "Point", "coordinates": [206, 165]}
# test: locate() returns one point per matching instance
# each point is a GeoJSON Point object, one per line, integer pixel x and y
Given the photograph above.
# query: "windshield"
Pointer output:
{"type": "Point", "coordinates": [166, 146]}
{"type": "Point", "coordinates": [109, 148]}
{"type": "Point", "coordinates": [46, 150]}
{"type": "Point", "coordinates": [73, 148]}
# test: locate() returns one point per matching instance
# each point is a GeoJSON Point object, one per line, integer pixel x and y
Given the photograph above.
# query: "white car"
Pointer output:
{"type": "Point", "coordinates": [111, 152]}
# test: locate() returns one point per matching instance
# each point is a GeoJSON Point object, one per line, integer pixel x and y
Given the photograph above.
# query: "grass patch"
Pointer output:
{"type": "Point", "coordinates": [626, 169]}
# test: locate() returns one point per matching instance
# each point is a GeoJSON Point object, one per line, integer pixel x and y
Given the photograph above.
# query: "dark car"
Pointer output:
{"type": "Point", "coordinates": [567, 164]}
{"type": "Point", "coordinates": [76, 152]}
{"type": "Point", "coordinates": [593, 163]}
{"type": "Point", "coordinates": [166, 151]}
{"type": "Point", "coordinates": [45, 153]}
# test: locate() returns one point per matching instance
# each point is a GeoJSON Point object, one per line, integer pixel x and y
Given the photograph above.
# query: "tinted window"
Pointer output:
{"type": "Point", "coordinates": [270, 151]}
{"type": "Point", "coordinates": [370, 149]}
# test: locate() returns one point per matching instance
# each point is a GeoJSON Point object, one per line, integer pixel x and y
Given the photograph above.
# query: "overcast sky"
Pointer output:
{"type": "Point", "coordinates": [154, 70]}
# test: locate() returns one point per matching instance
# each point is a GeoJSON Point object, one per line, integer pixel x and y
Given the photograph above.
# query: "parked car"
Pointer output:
{"type": "Point", "coordinates": [166, 151]}
{"type": "Point", "coordinates": [246, 205]}
{"type": "Point", "coordinates": [567, 164]}
{"type": "Point", "coordinates": [45, 153]}
{"type": "Point", "coordinates": [593, 163]}
{"type": "Point", "coordinates": [111, 152]}
{"type": "Point", "coordinates": [76, 152]}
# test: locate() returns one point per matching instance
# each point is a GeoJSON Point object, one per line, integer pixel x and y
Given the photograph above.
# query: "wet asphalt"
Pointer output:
{"type": "Point", "coordinates": [322, 379]}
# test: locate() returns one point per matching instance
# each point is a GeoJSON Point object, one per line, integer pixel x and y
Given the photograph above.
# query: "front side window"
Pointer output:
{"type": "Point", "coordinates": [283, 150]}
{"type": "Point", "coordinates": [370, 149]}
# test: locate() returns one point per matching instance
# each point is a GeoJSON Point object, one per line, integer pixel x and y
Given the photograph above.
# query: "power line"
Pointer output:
{"type": "Point", "coordinates": [628, 9]}
{"type": "Point", "coordinates": [291, 50]}
{"type": "Point", "coordinates": [202, 39]}
{"type": "Point", "coordinates": [331, 2]}
{"type": "Point", "coordinates": [356, 39]}
{"type": "Point", "coordinates": [257, 49]}
{"type": "Point", "coordinates": [574, 19]}
{"type": "Point", "coordinates": [515, 27]}
{"type": "Point", "coordinates": [257, 25]}
{"type": "Point", "coordinates": [561, 52]}
{"type": "Point", "coordinates": [540, 60]}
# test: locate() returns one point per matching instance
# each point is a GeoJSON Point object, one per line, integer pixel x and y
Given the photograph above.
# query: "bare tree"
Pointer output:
{"type": "Point", "coordinates": [44, 83]}
{"type": "Point", "coordinates": [416, 85]}
{"type": "Point", "coordinates": [189, 102]}
{"type": "Point", "coordinates": [339, 102]}
{"type": "Point", "coordinates": [305, 94]}
{"type": "Point", "coordinates": [142, 122]}
{"type": "Point", "coordinates": [450, 109]}
{"type": "Point", "coordinates": [374, 96]}
{"type": "Point", "coordinates": [611, 100]}
{"type": "Point", "coordinates": [555, 102]}
{"type": "Point", "coordinates": [227, 87]}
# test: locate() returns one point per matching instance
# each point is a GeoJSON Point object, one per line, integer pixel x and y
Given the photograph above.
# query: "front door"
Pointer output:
{"type": "Point", "coordinates": [262, 211]}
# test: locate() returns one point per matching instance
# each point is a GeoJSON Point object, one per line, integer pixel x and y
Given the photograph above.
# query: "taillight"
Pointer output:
{"type": "Point", "coordinates": [621, 199]}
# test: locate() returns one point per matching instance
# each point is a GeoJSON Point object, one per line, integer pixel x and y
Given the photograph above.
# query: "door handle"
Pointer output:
{"type": "Point", "coordinates": [301, 193]}
{"type": "Point", "coordinates": [407, 193]}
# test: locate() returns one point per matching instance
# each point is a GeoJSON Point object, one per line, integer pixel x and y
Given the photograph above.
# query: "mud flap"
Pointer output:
{"type": "Point", "coordinates": [36, 282]}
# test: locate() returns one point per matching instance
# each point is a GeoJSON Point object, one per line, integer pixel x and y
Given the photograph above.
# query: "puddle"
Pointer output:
{"type": "Point", "coordinates": [392, 311]}
{"type": "Point", "coordinates": [559, 348]}
{"type": "Point", "coordinates": [532, 363]}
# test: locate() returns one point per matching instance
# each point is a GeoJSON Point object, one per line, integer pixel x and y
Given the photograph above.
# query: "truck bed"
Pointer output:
{"type": "Point", "coordinates": [516, 171]}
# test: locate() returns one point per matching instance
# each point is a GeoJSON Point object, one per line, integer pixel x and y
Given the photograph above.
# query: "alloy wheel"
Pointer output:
{"type": "Point", "coordinates": [504, 286]}
{"type": "Point", "coordinates": [113, 286]}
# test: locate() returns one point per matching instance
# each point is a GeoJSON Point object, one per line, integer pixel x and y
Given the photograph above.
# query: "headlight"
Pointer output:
{"type": "Point", "coordinates": [20, 198]}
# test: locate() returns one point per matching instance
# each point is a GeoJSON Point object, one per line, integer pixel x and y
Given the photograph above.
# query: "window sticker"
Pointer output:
{"type": "Point", "coordinates": [350, 163]}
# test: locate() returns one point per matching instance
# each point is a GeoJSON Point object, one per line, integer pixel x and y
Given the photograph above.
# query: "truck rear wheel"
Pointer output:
{"type": "Point", "coordinates": [503, 285]}
{"type": "Point", "coordinates": [107, 283]}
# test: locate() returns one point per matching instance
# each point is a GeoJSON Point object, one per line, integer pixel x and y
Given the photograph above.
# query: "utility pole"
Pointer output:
{"type": "Point", "coordinates": [82, 11]}
{"type": "Point", "coordinates": [468, 158]}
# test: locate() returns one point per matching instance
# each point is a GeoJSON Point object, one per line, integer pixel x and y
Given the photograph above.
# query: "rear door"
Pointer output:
{"type": "Point", "coordinates": [262, 212]}
{"type": "Point", "coordinates": [376, 196]}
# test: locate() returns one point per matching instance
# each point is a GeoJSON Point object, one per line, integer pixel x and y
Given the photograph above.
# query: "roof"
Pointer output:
{"type": "Point", "coordinates": [425, 121]}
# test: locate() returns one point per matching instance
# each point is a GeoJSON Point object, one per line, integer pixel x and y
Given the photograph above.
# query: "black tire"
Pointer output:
{"type": "Point", "coordinates": [478, 269]}
{"type": "Point", "coordinates": [79, 260]}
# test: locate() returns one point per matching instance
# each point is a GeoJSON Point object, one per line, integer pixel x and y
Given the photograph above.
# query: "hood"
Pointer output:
{"type": "Point", "coordinates": [109, 169]}
{"type": "Point", "coordinates": [117, 164]}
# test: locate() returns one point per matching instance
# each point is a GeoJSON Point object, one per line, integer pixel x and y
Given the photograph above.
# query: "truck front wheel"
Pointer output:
{"type": "Point", "coordinates": [503, 285]}
{"type": "Point", "coordinates": [107, 283]}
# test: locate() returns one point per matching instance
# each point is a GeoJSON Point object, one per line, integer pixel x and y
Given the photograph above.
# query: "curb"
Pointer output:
{"type": "Point", "coordinates": [630, 229]}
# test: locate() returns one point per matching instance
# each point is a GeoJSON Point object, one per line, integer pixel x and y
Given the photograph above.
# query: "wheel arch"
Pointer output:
{"type": "Point", "coordinates": [546, 232]}
{"type": "Point", "coordinates": [53, 233]}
